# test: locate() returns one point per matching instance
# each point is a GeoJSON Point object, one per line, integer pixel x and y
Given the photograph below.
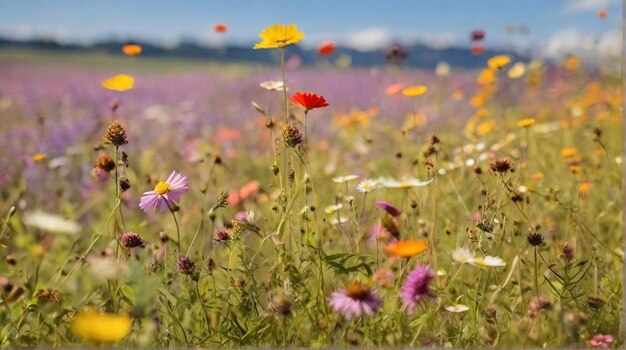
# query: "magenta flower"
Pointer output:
{"type": "Point", "coordinates": [131, 240]}
{"type": "Point", "coordinates": [415, 288]}
{"type": "Point", "coordinates": [165, 194]}
{"type": "Point", "coordinates": [388, 207]}
{"type": "Point", "coordinates": [355, 300]}
{"type": "Point", "coordinates": [601, 341]}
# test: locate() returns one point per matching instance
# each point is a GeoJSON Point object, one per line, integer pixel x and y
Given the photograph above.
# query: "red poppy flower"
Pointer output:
{"type": "Point", "coordinates": [326, 48]}
{"type": "Point", "coordinates": [477, 50]}
{"type": "Point", "coordinates": [478, 35]}
{"type": "Point", "coordinates": [308, 100]}
{"type": "Point", "coordinates": [220, 28]}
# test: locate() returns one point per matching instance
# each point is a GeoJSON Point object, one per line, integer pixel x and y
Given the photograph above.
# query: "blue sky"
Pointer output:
{"type": "Point", "coordinates": [362, 24]}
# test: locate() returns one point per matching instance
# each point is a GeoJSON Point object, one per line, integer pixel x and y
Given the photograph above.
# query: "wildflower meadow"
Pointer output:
{"type": "Point", "coordinates": [153, 202]}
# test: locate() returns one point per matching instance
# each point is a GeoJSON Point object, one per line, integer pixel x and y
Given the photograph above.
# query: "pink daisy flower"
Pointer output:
{"type": "Point", "coordinates": [355, 300]}
{"type": "Point", "coordinates": [165, 194]}
{"type": "Point", "coordinates": [416, 287]}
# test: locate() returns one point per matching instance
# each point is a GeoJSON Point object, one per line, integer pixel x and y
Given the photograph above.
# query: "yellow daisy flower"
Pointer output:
{"type": "Point", "coordinates": [498, 62]}
{"type": "Point", "coordinates": [101, 327]}
{"type": "Point", "coordinates": [120, 82]}
{"type": "Point", "coordinates": [279, 36]}
{"type": "Point", "coordinates": [526, 122]}
{"type": "Point", "coordinates": [416, 90]}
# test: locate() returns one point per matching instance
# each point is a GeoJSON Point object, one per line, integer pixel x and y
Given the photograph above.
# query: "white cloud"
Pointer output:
{"type": "Point", "coordinates": [26, 32]}
{"type": "Point", "coordinates": [213, 39]}
{"type": "Point", "coordinates": [572, 41]}
{"type": "Point", "coordinates": [368, 39]}
{"type": "Point", "coordinates": [435, 40]}
{"type": "Point", "coordinates": [380, 38]}
{"type": "Point", "coordinates": [610, 43]}
{"type": "Point", "coordinates": [568, 41]}
{"type": "Point", "coordinates": [587, 5]}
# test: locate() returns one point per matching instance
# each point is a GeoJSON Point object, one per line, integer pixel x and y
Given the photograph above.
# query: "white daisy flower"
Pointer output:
{"type": "Point", "coordinates": [51, 223]}
{"type": "Point", "coordinates": [273, 85]}
{"type": "Point", "coordinates": [342, 219]}
{"type": "Point", "coordinates": [366, 185]}
{"type": "Point", "coordinates": [404, 183]}
{"type": "Point", "coordinates": [347, 178]}
{"type": "Point", "coordinates": [457, 308]}
{"type": "Point", "coordinates": [333, 208]}
{"type": "Point", "coordinates": [464, 256]}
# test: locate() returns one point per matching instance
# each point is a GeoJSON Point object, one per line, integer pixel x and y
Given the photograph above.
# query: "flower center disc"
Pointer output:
{"type": "Point", "coordinates": [161, 188]}
{"type": "Point", "coordinates": [357, 291]}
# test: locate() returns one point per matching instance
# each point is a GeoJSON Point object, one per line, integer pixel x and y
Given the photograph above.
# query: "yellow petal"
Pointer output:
{"type": "Point", "coordinates": [120, 82]}
{"type": "Point", "coordinates": [498, 62]}
{"type": "Point", "coordinates": [100, 327]}
{"type": "Point", "coordinates": [517, 70]}
{"type": "Point", "coordinates": [526, 122]}
{"type": "Point", "coordinates": [416, 90]}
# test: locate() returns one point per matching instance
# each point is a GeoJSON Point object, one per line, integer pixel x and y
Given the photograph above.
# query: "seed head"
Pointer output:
{"type": "Point", "coordinates": [501, 165]}
{"type": "Point", "coordinates": [390, 225]}
{"type": "Point", "coordinates": [279, 306]}
{"type": "Point", "coordinates": [116, 134]}
{"type": "Point", "coordinates": [241, 282]}
{"type": "Point", "coordinates": [222, 236]}
{"type": "Point", "coordinates": [125, 158]}
{"type": "Point", "coordinates": [211, 264]}
{"type": "Point", "coordinates": [49, 295]}
{"type": "Point", "coordinates": [222, 200]}
{"type": "Point", "coordinates": [537, 304]}
{"type": "Point", "coordinates": [567, 251]}
{"type": "Point", "coordinates": [434, 140]}
{"type": "Point", "coordinates": [186, 266]}
{"type": "Point", "coordinates": [163, 237]}
{"type": "Point", "coordinates": [534, 238]}
{"type": "Point", "coordinates": [124, 184]}
{"type": "Point", "coordinates": [291, 135]}
{"type": "Point", "coordinates": [595, 303]}
{"type": "Point", "coordinates": [105, 163]}
{"type": "Point", "coordinates": [131, 240]}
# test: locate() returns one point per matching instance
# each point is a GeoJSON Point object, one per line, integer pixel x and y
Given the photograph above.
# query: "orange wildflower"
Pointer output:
{"type": "Point", "coordinates": [406, 249]}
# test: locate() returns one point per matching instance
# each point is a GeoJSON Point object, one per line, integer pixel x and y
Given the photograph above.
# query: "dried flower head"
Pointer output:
{"type": "Point", "coordinates": [105, 163]}
{"type": "Point", "coordinates": [279, 306]}
{"type": "Point", "coordinates": [116, 134]}
{"type": "Point", "coordinates": [567, 251]}
{"type": "Point", "coordinates": [222, 236]}
{"type": "Point", "coordinates": [125, 158]}
{"type": "Point", "coordinates": [131, 240]}
{"type": "Point", "coordinates": [396, 54]}
{"type": "Point", "coordinates": [390, 225]}
{"type": "Point", "coordinates": [291, 135]}
{"type": "Point", "coordinates": [211, 265]}
{"type": "Point", "coordinates": [241, 282]}
{"type": "Point", "coordinates": [595, 303]}
{"type": "Point", "coordinates": [537, 304]}
{"type": "Point", "coordinates": [534, 237]}
{"type": "Point", "coordinates": [186, 266]}
{"type": "Point", "coordinates": [49, 295]}
{"type": "Point", "coordinates": [124, 184]}
{"type": "Point", "coordinates": [501, 165]}
{"type": "Point", "coordinates": [222, 200]}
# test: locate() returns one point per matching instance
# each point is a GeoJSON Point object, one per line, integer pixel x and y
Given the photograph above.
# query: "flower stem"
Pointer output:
{"type": "Point", "coordinates": [177, 227]}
